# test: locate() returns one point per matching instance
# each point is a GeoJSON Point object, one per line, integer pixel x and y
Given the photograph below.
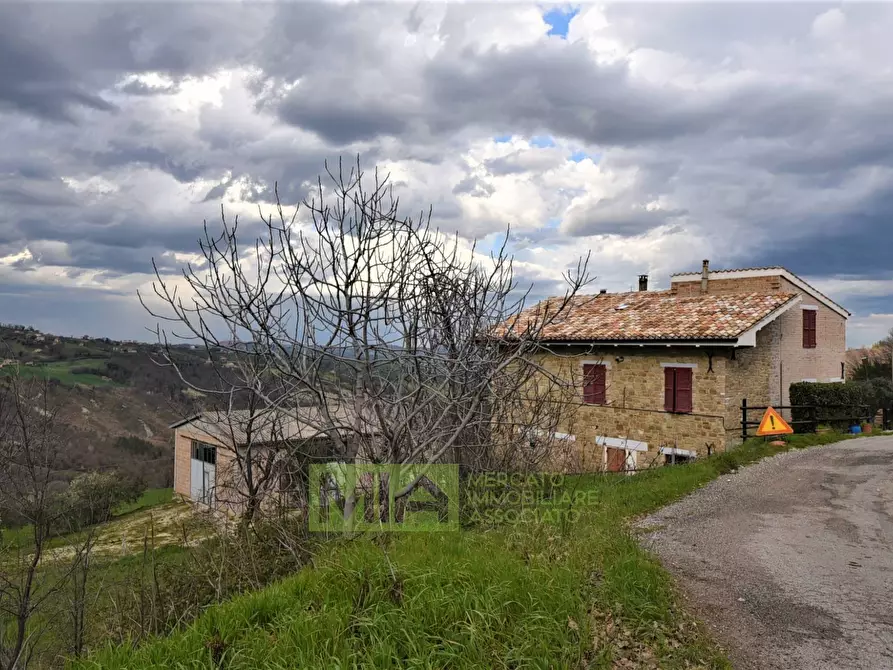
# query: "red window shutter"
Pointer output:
{"type": "Point", "coordinates": [588, 384]}
{"type": "Point", "coordinates": [599, 382]}
{"type": "Point", "coordinates": [805, 328]}
{"type": "Point", "coordinates": [669, 389]}
{"type": "Point", "coordinates": [812, 327]}
{"type": "Point", "coordinates": [683, 390]}
{"type": "Point", "coordinates": [594, 384]}
{"type": "Point", "coordinates": [809, 328]}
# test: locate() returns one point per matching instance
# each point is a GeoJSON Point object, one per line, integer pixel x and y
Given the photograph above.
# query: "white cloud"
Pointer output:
{"type": "Point", "coordinates": [829, 24]}
{"type": "Point", "coordinates": [653, 136]}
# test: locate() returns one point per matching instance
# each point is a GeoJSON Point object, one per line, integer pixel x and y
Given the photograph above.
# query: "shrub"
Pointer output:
{"type": "Point", "coordinates": [838, 405]}
{"type": "Point", "coordinates": [876, 393]}
{"type": "Point", "coordinates": [91, 497]}
{"type": "Point", "coordinates": [88, 370]}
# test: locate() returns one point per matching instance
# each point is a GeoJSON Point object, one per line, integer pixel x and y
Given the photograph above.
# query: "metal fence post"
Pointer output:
{"type": "Point", "coordinates": [743, 419]}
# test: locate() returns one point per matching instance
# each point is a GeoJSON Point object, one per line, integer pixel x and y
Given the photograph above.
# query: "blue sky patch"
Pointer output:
{"type": "Point", "coordinates": [559, 19]}
{"type": "Point", "coordinates": [579, 156]}
{"type": "Point", "coordinates": [542, 141]}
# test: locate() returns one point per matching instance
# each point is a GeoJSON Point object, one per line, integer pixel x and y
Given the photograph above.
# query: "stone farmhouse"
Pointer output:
{"type": "Point", "coordinates": [654, 377]}
{"type": "Point", "coordinates": [660, 375]}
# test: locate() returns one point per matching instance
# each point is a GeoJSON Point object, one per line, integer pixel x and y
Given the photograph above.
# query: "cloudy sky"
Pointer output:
{"type": "Point", "coordinates": [654, 135]}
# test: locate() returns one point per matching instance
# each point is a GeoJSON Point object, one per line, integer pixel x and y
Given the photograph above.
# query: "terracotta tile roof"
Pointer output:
{"type": "Point", "coordinates": [654, 315]}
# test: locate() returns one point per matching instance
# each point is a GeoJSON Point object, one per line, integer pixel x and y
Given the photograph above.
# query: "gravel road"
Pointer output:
{"type": "Point", "coordinates": [790, 560]}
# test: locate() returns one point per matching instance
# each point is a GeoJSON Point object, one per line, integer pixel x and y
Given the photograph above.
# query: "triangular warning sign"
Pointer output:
{"type": "Point", "coordinates": [773, 424]}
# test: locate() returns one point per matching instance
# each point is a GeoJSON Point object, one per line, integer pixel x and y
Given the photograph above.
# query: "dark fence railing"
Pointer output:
{"type": "Point", "coordinates": [810, 416]}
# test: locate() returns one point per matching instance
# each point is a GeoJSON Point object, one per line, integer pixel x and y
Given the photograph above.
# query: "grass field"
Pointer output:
{"type": "Point", "coordinates": [535, 595]}
{"type": "Point", "coordinates": [118, 562]}
{"type": "Point", "coordinates": [62, 371]}
{"type": "Point", "coordinates": [13, 538]}
{"type": "Point", "coordinates": [150, 498]}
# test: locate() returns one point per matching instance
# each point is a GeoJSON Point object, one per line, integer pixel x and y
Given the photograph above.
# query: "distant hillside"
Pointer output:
{"type": "Point", "coordinates": [115, 399]}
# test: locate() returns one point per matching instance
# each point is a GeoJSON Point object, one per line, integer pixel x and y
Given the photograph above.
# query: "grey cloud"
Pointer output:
{"type": "Point", "coordinates": [27, 192]}
{"type": "Point", "coordinates": [122, 153]}
{"type": "Point", "coordinates": [59, 56]}
{"type": "Point", "coordinates": [617, 216]}
{"type": "Point", "coordinates": [473, 186]}
{"type": "Point", "coordinates": [340, 120]}
{"type": "Point", "coordinates": [859, 248]}
{"type": "Point", "coordinates": [33, 82]}
{"type": "Point", "coordinates": [138, 88]}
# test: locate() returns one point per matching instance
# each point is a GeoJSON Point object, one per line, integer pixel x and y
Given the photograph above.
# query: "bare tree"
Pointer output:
{"type": "Point", "coordinates": [393, 341]}
{"type": "Point", "coordinates": [29, 448]}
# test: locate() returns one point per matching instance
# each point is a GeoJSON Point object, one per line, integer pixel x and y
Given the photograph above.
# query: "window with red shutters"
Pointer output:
{"type": "Point", "coordinates": [594, 378]}
{"type": "Point", "coordinates": [809, 328]}
{"type": "Point", "coordinates": [683, 389]}
{"type": "Point", "coordinates": [678, 389]}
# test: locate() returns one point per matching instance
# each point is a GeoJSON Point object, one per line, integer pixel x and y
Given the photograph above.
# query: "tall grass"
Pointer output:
{"type": "Point", "coordinates": [534, 595]}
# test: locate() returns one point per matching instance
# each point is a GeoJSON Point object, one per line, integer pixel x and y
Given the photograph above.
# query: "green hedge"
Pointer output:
{"type": "Point", "coordinates": [838, 405]}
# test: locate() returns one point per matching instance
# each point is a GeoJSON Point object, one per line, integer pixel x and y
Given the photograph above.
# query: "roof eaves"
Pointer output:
{"type": "Point", "coordinates": [644, 341]}
{"type": "Point", "coordinates": [183, 422]}
{"type": "Point", "coordinates": [748, 337]}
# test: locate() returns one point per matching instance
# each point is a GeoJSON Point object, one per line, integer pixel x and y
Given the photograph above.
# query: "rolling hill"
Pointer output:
{"type": "Point", "coordinates": [114, 398]}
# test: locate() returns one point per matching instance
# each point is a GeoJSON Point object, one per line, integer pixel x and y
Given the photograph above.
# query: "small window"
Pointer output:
{"type": "Point", "coordinates": [678, 459]}
{"type": "Point", "coordinates": [809, 328]}
{"type": "Point", "coordinates": [678, 390]}
{"type": "Point", "coordinates": [594, 384]}
{"type": "Point", "coordinates": [206, 453]}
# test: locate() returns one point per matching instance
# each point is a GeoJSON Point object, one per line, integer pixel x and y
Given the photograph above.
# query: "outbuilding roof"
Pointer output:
{"type": "Point", "coordinates": [644, 316]}
{"type": "Point", "coordinates": [271, 426]}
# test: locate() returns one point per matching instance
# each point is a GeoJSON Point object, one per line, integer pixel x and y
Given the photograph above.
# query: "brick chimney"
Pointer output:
{"type": "Point", "coordinates": [643, 282]}
{"type": "Point", "coordinates": [705, 272]}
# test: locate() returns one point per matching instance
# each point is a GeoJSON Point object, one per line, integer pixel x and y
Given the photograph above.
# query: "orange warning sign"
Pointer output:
{"type": "Point", "coordinates": [773, 424]}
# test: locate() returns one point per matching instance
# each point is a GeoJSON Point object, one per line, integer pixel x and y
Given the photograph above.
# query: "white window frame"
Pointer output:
{"type": "Point", "coordinates": [678, 452]}
{"type": "Point", "coordinates": [630, 447]}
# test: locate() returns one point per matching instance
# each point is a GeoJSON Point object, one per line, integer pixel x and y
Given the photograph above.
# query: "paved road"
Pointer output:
{"type": "Point", "coordinates": [790, 561]}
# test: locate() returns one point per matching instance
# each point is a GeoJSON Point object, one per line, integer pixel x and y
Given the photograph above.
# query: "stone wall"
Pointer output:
{"type": "Point", "coordinates": [753, 374]}
{"type": "Point", "coordinates": [635, 400]}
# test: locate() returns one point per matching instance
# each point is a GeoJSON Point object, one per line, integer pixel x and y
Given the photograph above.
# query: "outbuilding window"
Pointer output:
{"type": "Point", "coordinates": [594, 386]}
{"type": "Point", "coordinates": [678, 389]}
{"type": "Point", "coordinates": [206, 453]}
{"type": "Point", "coordinates": [809, 328]}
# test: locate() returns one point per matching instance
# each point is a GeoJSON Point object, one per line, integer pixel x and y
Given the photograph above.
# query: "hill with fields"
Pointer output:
{"type": "Point", "coordinates": [115, 398]}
